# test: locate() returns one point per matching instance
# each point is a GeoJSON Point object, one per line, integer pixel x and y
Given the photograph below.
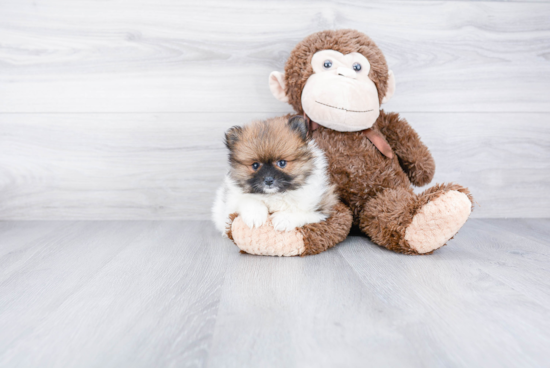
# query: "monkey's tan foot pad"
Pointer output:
{"type": "Point", "coordinates": [438, 221]}
{"type": "Point", "coordinates": [265, 240]}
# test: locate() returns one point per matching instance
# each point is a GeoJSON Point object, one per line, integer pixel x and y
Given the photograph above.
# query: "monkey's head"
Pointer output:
{"type": "Point", "coordinates": [338, 78]}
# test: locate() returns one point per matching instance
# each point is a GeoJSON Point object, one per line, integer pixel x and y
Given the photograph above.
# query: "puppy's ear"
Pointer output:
{"type": "Point", "coordinates": [298, 123]}
{"type": "Point", "coordinates": [232, 136]}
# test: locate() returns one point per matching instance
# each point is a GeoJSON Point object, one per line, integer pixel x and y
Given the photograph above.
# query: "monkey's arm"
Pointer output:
{"type": "Point", "coordinates": [414, 157]}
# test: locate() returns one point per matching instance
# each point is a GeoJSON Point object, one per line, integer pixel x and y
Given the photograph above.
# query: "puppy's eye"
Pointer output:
{"type": "Point", "coordinates": [255, 166]}
{"type": "Point", "coordinates": [357, 67]}
{"type": "Point", "coordinates": [327, 64]}
{"type": "Point", "coordinates": [281, 164]}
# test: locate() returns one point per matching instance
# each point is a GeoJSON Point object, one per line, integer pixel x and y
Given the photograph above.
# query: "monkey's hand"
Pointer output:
{"type": "Point", "coordinates": [254, 213]}
{"type": "Point", "coordinates": [414, 157]}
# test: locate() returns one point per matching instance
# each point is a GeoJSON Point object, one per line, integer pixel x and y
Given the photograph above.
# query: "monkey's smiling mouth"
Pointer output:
{"type": "Point", "coordinates": [341, 108]}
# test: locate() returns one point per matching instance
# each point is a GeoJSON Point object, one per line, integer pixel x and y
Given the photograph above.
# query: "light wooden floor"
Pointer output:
{"type": "Point", "coordinates": [173, 293]}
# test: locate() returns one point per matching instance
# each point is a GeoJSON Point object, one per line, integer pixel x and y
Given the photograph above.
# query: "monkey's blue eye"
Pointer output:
{"type": "Point", "coordinates": [356, 67]}
{"type": "Point", "coordinates": [281, 164]}
{"type": "Point", "coordinates": [327, 64]}
{"type": "Point", "coordinates": [255, 165]}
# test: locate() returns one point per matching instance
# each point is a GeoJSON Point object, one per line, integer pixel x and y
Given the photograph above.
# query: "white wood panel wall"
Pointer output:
{"type": "Point", "coordinates": [117, 109]}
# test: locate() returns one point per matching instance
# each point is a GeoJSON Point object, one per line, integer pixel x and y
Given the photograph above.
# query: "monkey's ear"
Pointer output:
{"type": "Point", "coordinates": [298, 123]}
{"type": "Point", "coordinates": [391, 87]}
{"type": "Point", "coordinates": [232, 136]}
{"type": "Point", "coordinates": [277, 86]}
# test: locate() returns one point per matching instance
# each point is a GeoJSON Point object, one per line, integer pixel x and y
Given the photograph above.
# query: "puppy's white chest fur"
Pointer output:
{"type": "Point", "coordinates": [289, 210]}
{"type": "Point", "coordinates": [279, 201]}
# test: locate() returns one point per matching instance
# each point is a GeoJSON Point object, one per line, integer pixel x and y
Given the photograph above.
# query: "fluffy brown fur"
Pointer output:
{"type": "Point", "coordinates": [414, 157]}
{"type": "Point", "coordinates": [360, 171]}
{"type": "Point", "coordinates": [324, 235]}
{"type": "Point", "coordinates": [266, 142]}
{"type": "Point", "coordinates": [298, 67]}
{"type": "Point", "coordinates": [386, 217]}
{"type": "Point", "coordinates": [375, 191]}
{"type": "Point", "coordinates": [378, 189]}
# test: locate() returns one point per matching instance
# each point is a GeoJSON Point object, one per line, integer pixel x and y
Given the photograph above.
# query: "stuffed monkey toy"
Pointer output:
{"type": "Point", "coordinates": [337, 80]}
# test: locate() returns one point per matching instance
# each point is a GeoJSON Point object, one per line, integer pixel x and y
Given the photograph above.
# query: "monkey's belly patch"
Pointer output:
{"type": "Point", "coordinates": [266, 241]}
{"type": "Point", "coordinates": [438, 221]}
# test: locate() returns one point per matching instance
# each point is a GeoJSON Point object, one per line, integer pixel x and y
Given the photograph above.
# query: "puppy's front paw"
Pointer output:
{"type": "Point", "coordinates": [254, 216]}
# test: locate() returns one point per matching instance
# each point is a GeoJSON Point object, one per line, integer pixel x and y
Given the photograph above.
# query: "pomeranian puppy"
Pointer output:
{"type": "Point", "coordinates": [274, 169]}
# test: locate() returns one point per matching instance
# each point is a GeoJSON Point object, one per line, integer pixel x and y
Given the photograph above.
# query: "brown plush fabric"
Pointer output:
{"type": "Point", "coordinates": [378, 189]}
{"type": "Point", "coordinates": [357, 167]}
{"type": "Point", "coordinates": [298, 67]}
{"type": "Point", "coordinates": [414, 157]}
{"type": "Point", "coordinates": [324, 235]}
{"type": "Point", "coordinates": [375, 190]}
{"type": "Point", "coordinates": [386, 217]}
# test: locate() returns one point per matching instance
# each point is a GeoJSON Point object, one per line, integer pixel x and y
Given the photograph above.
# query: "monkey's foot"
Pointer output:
{"type": "Point", "coordinates": [438, 221]}
{"type": "Point", "coordinates": [265, 240]}
{"type": "Point", "coordinates": [306, 240]}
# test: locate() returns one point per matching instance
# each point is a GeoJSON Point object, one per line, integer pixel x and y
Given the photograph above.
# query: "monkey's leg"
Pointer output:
{"type": "Point", "coordinates": [323, 235]}
{"type": "Point", "coordinates": [408, 223]}
{"type": "Point", "coordinates": [307, 240]}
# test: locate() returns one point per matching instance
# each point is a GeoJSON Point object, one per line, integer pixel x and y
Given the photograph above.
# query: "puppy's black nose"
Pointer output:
{"type": "Point", "coordinates": [268, 180]}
